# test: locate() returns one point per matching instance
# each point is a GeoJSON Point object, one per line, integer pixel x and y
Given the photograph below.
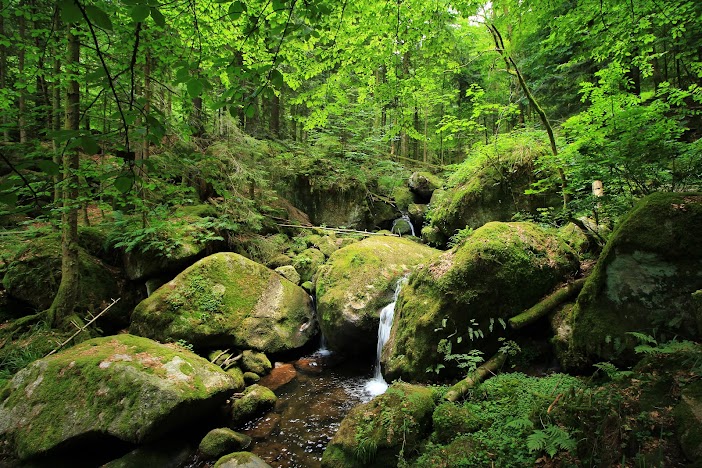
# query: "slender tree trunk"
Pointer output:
{"type": "Point", "coordinates": [56, 106]}
{"type": "Point", "coordinates": [3, 79]}
{"type": "Point", "coordinates": [64, 303]}
{"type": "Point", "coordinates": [274, 122]}
{"type": "Point", "coordinates": [21, 56]}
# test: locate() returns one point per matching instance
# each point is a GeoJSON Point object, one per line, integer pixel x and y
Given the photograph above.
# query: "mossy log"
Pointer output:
{"type": "Point", "coordinates": [480, 374]}
{"type": "Point", "coordinates": [548, 304]}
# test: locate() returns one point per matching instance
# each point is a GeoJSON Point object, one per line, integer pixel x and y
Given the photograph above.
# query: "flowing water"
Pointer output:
{"type": "Point", "coordinates": [404, 218]}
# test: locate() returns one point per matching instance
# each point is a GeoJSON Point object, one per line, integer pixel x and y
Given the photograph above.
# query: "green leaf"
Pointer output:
{"type": "Point", "coordinates": [276, 78]}
{"type": "Point", "coordinates": [48, 167]}
{"type": "Point", "coordinates": [158, 17]}
{"type": "Point", "coordinates": [236, 9]}
{"type": "Point", "coordinates": [9, 199]}
{"type": "Point", "coordinates": [89, 145]}
{"type": "Point", "coordinates": [98, 17]}
{"type": "Point", "coordinates": [195, 87]}
{"type": "Point", "coordinates": [278, 5]}
{"type": "Point", "coordinates": [70, 13]}
{"type": "Point", "coordinates": [250, 110]}
{"type": "Point", "coordinates": [124, 183]}
{"type": "Point", "coordinates": [139, 13]}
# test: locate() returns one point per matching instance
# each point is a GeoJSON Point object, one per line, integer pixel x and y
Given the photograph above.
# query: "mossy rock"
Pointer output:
{"type": "Point", "coordinates": [219, 442]}
{"type": "Point", "coordinates": [423, 185]}
{"type": "Point", "coordinates": [255, 362]}
{"type": "Point", "coordinates": [308, 262]}
{"type": "Point", "coordinates": [226, 300]}
{"type": "Point", "coordinates": [357, 282]}
{"type": "Point", "coordinates": [238, 376]}
{"type": "Point", "coordinates": [241, 460]}
{"type": "Point", "coordinates": [403, 198]}
{"type": "Point", "coordinates": [290, 273]}
{"type": "Point", "coordinates": [35, 274]}
{"type": "Point", "coordinates": [373, 434]}
{"type": "Point", "coordinates": [688, 418]}
{"type": "Point", "coordinates": [251, 378]}
{"type": "Point", "coordinates": [644, 280]}
{"type": "Point", "coordinates": [499, 271]}
{"type": "Point", "coordinates": [402, 227]}
{"type": "Point", "coordinates": [326, 244]}
{"type": "Point", "coordinates": [417, 213]}
{"type": "Point", "coordinates": [256, 400]}
{"type": "Point", "coordinates": [450, 420]}
{"type": "Point", "coordinates": [124, 387]}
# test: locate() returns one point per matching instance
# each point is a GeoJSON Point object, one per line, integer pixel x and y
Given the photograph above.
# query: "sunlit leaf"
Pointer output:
{"type": "Point", "coordinates": [98, 17]}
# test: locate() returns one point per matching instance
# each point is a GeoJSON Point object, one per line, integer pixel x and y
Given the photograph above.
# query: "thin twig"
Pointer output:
{"type": "Point", "coordinates": [80, 330]}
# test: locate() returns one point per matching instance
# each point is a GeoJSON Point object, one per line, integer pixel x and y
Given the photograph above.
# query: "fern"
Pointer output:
{"type": "Point", "coordinates": [551, 439]}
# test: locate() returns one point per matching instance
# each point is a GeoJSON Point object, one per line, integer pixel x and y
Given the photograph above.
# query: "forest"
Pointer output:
{"type": "Point", "coordinates": [304, 233]}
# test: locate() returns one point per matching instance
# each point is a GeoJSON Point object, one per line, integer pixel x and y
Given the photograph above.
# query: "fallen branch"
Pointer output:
{"type": "Point", "coordinates": [546, 305]}
{"type": "Point", "coordinates": [82, 329]}
{"type": "Point", "coordinates": [480, 374]}
{"type": "Point", "coordinates": [302, 226]}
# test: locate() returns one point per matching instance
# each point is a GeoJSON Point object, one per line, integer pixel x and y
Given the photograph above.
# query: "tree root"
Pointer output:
{"type": "Point", "coordinates": [545, 306]}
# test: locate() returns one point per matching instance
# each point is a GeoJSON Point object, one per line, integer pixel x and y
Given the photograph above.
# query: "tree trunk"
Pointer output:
{"type": "Point", "coordinates": [3, 78]}
{"type": "Point", "coordinates": [546, 305]}
{"type": "Point", "coordinates": [480, 374]}
{"type": "Point", "coordinates": [21, 55]}
{"type": "Point", "coordinates": [64, 303]}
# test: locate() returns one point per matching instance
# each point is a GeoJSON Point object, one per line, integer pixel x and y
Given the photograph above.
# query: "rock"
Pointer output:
{"type": "Point", "coordinates": [373, 433]}
{"type": "Point", "coordinates": [644, 281]}
{"type": "Point", "coordinates": [279, 376]}
{"type": "Point", "coordinates": [688, 419]}
{"type": "Point", "coordinates": [490, 187]}
{"type": "Point", "coordinates": [326, 244]}
{"type": "Point", "coordinates": [124, 387]}
{"type": "Point", "coordinates": [255, 362]}
{"type": "Point", "coordinates": [417, 213]}
{"type": "Point", "coordinates": [264, 427]}
{"type": "Point", "coordinates": [238, 376]}
{"type": "Point", "coordinates": [308, 262]}
{"type": "Point", "coordinates": [290, 273]}
{"type": "Point", "coordinates": [279, 260]}
{"type": "Point", "coordinates": [219, 442]}
{"type": "Point", "coordinates": [251, 378]}
{"type": "Point", "coordinates": [402, 226]}
{"type": "Point", "coordinates": [34, 277]}
{"type": "Point", "coordinates": [241, 460]}
{"type": "Point", "coordinates": [256, 400]}
{"type": "Point", "coordinates": [230, 301]}
{"type": "Point", "coordinates": [403, 198]}
{"type": "Point", "coordinates": [308, 286]}
{"type": "Point", "coordinates": [450, 420]}
{"type": "Point", "coordinates": [423, 185]}
{"type": "Point", "coordinates": [357, 282]}
{"type": "Point", "coordinates": [499, 271]}
{"type": "Point", "coordinates": [172, 453]}
{"type": "Point", "coordinates": [309, 366]}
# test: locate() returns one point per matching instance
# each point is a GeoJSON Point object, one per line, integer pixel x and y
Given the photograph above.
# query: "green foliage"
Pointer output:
{"type": "Point", "coordinates": [551, 439]}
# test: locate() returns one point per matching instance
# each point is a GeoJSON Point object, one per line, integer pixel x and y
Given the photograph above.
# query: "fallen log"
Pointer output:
{"type": "Point", "coordinates": [480, 374]}
{"type": "Point", "coordinates": [545, 306]}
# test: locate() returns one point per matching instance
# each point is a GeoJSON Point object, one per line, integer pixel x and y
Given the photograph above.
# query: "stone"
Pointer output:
{"type": "Point", "coordinates": [221, 441]}
{"type": "Point", "coordinates": [280, 375]}
{"type": "Point", "coordinates": [226, 300]}
{"type": "Point", "coordinates": [499, 271]}
{"type": "Point", "coordinates": [290, 273]}
{"type": "Point", "coordinates": [257, 363]}
{"type": "Point", "coordinates": [688, 420]}
{"type": "Point", "coordinates": [256, 400]}
{"type": "Point", "coordinates": [241, 460]}
{"type": "Point", "coordinates": [357, 282]}
{"type": "Point", "coordinates": [251, 378]}
{"type": "Point", "coordinates": [308, 262]}
{"type": "Point", "coordinates": [120, 387]}
{"type": "Point", "coordinates": [373, 434]}
{"type": "Point", "coordinates": [423, 185]}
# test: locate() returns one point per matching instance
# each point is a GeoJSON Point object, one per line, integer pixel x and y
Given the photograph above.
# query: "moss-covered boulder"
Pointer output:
{"type": "Point", "coordinates": [374, 433]}
{"type": "Point", "coordinates": [221, 441]}
{"type": "Point", "coordinates": [230, 301]}
{"type": "Point", "coordinates": [256, 400]}
{"type": "Point", "coordinates": [35, 274]}
{"type": "Point", "coordinates": [308, 262]}
{"type": "Point", "coordinates": [688, 418]}
{"type": "Point", "coordinates": [644, 281]}
{"type": "Point", "coordinates": [241, 460]}
{"type": "Point", "coordinates": [290, 273]}
{"type": "Point", "coordinates": [449, 420]}
{"type": "Point", "coordinates": [357, 282]}
{"type": "Point", "coordinates": [255, 362]}
{"type": "Point", "coordinates": [423, 185]}
{"type": "Point", "coordinates": [490, 186]}
{"type": "Point", "coordinates": [499, 271]}
{"type": "Point", "coordinates": [124, 387]}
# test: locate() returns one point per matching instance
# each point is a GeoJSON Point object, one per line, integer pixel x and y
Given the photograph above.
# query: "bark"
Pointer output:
{"type": "Point", "coordinates": [547, 305]}
{"type": "Point", "coordinates": [56, 109]}
{"type": "Point", "coordinates": [481, 373]}
{"type": "Point", "coordinates": [22, 104]}
{"type": "Point", "coordinates": [64, 303]}
{"type": "Point", "coordinates": [3, 79]}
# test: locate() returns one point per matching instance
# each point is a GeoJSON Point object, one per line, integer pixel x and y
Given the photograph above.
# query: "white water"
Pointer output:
{"type": "Point", "coordinates": [406, 218]}
{"type": "Point", "coordinates": [323, 350]}
{"type": "Point", "coordinates": [377, 385]}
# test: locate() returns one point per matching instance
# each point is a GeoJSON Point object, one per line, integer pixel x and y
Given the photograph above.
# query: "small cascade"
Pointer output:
{"type": "Point", "coordinates": [403, 219]}
{"type": "Point", "coordinates": [377, 385]}
{"type": "Point", "coordinates": [323, 350]}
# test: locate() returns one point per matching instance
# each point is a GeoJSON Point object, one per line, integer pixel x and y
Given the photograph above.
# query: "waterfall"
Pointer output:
{"type": "Point", "coordinates": [405, 217]}
{"type": "Point", "coordinates": [377, 385]}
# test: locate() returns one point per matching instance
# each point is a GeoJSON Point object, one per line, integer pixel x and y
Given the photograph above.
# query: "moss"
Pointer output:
{"type": "Point", "coordinates": [256, 362]}
{"type": "Point", "coordinates": [124, 386]}
{"type": "Point", "coordinates": [374, 433]}
{"type": "Point", "coordinates": [357, 282]}
{"type": "Point", "coordinates": [227, 300]}
{"type": "Point", "coordinates": [256, 400]}
{"type": "Point", "coordinates": [222, 441]}
{"type": "Point", "coordinates": [307, 262]}
{"type": "Point", "coordinates": [251, 377]}
{"type": "Point", "coordinates": [403, 198]}
{"type": "Point", "coordinates": [643, 281]}
{"type": "Point", "coordinates": [450, 420]}
{"type": "Point", "coordinates": [688, 417]}
{"type": "Point", "coordinates": [499, 271]}
{"type": "Point", "coordinates": [238, 377]}
{"type": "Point", "coordinates": [235, 459]}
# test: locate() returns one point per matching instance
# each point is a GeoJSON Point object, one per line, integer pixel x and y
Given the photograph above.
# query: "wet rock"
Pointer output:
{"type": "Point", "coordinates": [255, 362]}
{"type": "Point", "coordinates": [264, 427]}
{"type": "Point", "coordinates": [423, 185]}
{"type": "Point", "coordinates": [255, 400]}
{"type": "Point", "coordinates": [230, 301]}
{"type": "Point", "coordinates": [290, 273]}
{"type": "Point", "coordinates": [309, 366]}
{"type": "Point", "coordinates": [308, 262]}
{"type": "Point", "coordinates": [251, 378]}
{"type": "Point", "coordinates": [219, 442]}
{"type": "Point", "coordinates": [123, 387]}
{"type": "Point", "coordinates": [357, 282]}
{"type": "Point", "coordinates": [238, 376]}
{"type": "Point", "coordinates": [241, 460]}
{"type": "Point", "coordinates": [171, 454]}
{"type": "Point", "coordinates": [279, 376]}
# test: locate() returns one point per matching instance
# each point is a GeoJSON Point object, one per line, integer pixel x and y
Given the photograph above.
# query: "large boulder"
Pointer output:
{"type": "Point", "coordinates": [124, 387]}
{"type": "Point", "coordinates": [499, 271]}
{"type": "Point", "coordinates": [35, 274]}
{"type": "Point", "coordinates": [226, 300]}
{"type": "Point", "coordinates": [645, 281]}
{"type": "Point", "coordinates": [374, 433]}
{"type": "Point", "coordinates": [423, 184]}
{"type": "Point", "coordinates": [688, 419]}
{"type": "Point", "coordinates": [490, 186]}
{"type": "Point", "coordinates": [357, 282]}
